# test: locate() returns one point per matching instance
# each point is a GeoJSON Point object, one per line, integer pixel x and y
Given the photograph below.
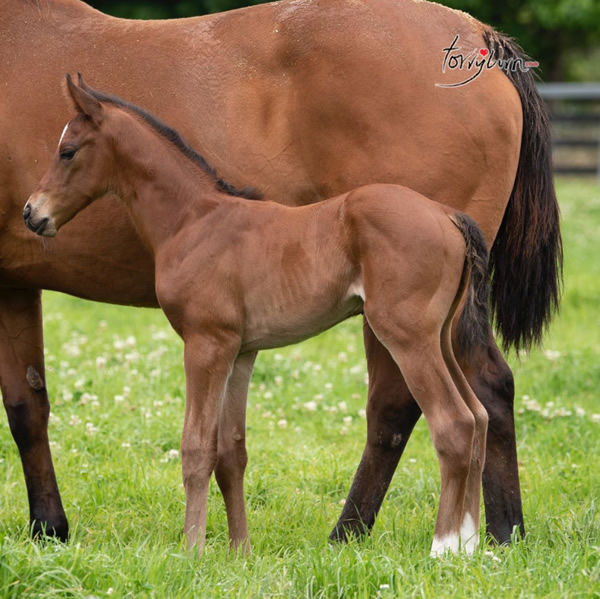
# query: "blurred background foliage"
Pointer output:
{"type": "Point", "coordinates": [563, 35]}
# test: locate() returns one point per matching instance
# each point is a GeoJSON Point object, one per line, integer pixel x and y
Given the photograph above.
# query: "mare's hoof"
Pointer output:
{"type": "Point", "coordinates": [58, 529]}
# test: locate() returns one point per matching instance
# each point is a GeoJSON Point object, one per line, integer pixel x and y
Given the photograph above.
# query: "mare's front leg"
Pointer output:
{"type": "Point", "coordinates": [26, 402]}
{"type": "Point", "coordinates": [208, 362]}
{"type": "Point", "coordinates": [231, 453]}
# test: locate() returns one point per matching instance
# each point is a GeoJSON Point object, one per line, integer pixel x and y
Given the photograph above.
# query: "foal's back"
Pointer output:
{"type": "Point", "coordinates": [283, 274]}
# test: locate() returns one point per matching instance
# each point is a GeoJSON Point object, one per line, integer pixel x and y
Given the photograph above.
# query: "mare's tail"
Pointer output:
{"type": "Point", "coordinates": [473, 325]}
{"type": "Point", "coordinates": [526, 258]}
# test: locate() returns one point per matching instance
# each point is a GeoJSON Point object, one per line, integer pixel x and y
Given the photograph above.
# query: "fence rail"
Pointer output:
{"type": "Point", "coordinates": [576, 132]}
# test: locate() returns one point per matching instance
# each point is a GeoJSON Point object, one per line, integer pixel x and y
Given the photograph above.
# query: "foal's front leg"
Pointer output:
{"type": "Point", "coordinates": [231, 453]}
{"type": "Point", "coordinates": [208, 363]}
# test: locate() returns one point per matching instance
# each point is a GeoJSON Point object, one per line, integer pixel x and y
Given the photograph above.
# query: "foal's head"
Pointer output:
{"type": "Point", "coordinates": [82, 168]}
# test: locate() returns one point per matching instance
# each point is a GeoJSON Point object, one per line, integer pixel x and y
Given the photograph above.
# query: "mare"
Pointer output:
{"type": "Point", "coordinates": [304, 100]}
{"type": "Point", "coordinates": [235, 276]}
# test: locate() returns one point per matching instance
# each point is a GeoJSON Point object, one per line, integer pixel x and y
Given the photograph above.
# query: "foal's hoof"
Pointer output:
{"type": "Point", "coordinates": [58, 529]}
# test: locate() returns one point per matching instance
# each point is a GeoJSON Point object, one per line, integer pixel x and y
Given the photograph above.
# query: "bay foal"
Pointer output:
{"type": "Point", "coordinates": [235, 276]}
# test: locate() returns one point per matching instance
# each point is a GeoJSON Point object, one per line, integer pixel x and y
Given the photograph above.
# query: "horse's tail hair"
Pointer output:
{"type": "Point", "coordinates": [473, 325]}
{"type": "Point", "coordinates": [526, 258]}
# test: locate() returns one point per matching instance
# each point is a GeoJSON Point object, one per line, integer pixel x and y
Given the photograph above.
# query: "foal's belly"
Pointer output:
{"type": "Point", "coordinates": [278, 327]}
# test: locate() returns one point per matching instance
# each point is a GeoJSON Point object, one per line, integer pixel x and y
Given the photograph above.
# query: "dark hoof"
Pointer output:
{"type": "Point", "coordinates": [343, 533]}
{"type": "Point", "coordinates": [506, 536]}
{"type": "Point", "coordinates": [57, 530]}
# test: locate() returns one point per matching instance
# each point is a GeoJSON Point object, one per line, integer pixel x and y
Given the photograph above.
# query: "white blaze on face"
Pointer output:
{"type": "Point", "coordinates": [63, 134]}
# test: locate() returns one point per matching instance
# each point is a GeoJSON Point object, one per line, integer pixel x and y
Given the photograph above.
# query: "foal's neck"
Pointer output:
{"type": "Point", "coordinates": [163, 189]}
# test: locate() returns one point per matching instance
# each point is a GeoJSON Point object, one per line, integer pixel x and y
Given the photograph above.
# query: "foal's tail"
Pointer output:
{"type": "Point", "coordinates": [473, 325]}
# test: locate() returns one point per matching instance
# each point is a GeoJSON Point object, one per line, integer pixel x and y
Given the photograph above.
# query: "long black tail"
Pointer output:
{"type": "Point", "coordinates": [526, 258]}
{"type": "Point", "coordinates": [473, 326]}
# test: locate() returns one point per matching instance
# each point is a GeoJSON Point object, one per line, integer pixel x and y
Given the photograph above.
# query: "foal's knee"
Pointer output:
{"type": "Point", "coordinates": [197, 463]}
{"type": "Point", "coordinates": [231, 464]}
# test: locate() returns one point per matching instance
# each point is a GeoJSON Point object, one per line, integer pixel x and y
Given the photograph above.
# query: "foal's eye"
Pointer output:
{"type": "Point", "coordinates": [67, 154]}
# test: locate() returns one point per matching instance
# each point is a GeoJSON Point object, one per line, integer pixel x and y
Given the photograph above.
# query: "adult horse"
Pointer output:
{"type": "Point", "coordinates": [310, 98]}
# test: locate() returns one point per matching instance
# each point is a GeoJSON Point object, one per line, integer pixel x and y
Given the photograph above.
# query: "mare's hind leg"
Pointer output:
{"type": "Point", "coordinates": [415, 345]}
{"type": "Point", "coordinates": [492, 381]}
{"type": "Point", "coordinates": [391, 416]}
{"type": "Point", "coordinates": [208, 363]}
{"type": "Point", "coordinates": [26, 402]}
{"type": "Point", "coordinates": [231, 452]}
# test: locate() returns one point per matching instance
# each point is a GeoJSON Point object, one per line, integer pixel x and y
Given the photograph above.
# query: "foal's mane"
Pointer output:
{"type": "Point", "coordinates": [175, 138]}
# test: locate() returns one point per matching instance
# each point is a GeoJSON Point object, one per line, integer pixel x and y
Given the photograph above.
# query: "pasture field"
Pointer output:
{"type": "Point", "coordinates": [116, 383]}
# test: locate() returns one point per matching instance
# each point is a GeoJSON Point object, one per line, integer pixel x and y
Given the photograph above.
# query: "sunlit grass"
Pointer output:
{"type": "Point", "coordinates": [116, 382]}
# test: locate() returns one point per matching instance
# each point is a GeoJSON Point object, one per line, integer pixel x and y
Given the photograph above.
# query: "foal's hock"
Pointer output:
{"type": "Point", "coordinates": [235, 276]}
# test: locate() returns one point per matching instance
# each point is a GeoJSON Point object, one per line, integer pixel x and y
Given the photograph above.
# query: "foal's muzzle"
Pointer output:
{"type": "Point", "coordinates": [39, 225]}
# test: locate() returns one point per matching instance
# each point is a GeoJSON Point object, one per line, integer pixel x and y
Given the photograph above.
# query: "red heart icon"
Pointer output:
{"type": "Point", "coordinates": [483, 51]}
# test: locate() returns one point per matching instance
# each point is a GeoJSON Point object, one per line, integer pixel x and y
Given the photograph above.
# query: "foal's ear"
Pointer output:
{"type": "Point", "coordinates": [85, 103]}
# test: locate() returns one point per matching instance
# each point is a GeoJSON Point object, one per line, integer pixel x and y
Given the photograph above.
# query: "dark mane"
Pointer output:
{"type": "Point", "coordinates": [173, 136]}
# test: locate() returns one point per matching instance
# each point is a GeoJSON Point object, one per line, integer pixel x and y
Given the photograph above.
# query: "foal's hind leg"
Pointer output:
{"type": "Point", "coordinates": [231, 452]}
{"type": "Point", "coordinates": [469, 532]}
{"type": "Point", "coordinates": [415, 345]}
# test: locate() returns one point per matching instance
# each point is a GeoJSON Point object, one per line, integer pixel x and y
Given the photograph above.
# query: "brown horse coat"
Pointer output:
{"type": "Point", "coordinates": [310, 98]}
{"type": "Point", "coordinates": [235, 276]}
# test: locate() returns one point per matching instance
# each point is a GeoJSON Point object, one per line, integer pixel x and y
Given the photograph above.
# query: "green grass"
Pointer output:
{"type": "Point", "coordinates": [116, 383]}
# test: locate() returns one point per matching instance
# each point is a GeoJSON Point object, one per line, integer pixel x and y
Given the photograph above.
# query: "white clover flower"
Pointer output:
{"type": "Point", "coordinates": [101, 362]}
{"type": "Point", "coordinates": [172, 454]}
{"type": "Point", "coordinates": [310, 406]}
{"type": "Point", "coordinates": [552, 354]}
{"type": "Point", "coordinates": [282, 423]}
{"type": "Point", "coordinates": [90, 428]}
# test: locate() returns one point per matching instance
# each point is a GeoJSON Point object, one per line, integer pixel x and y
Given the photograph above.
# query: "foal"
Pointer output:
{"type": "Point", "coordinates": [234, 276]}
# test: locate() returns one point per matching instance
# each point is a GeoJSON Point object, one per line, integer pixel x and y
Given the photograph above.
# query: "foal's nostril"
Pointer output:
{"type": "Point", "coordinates": [27, 211]}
